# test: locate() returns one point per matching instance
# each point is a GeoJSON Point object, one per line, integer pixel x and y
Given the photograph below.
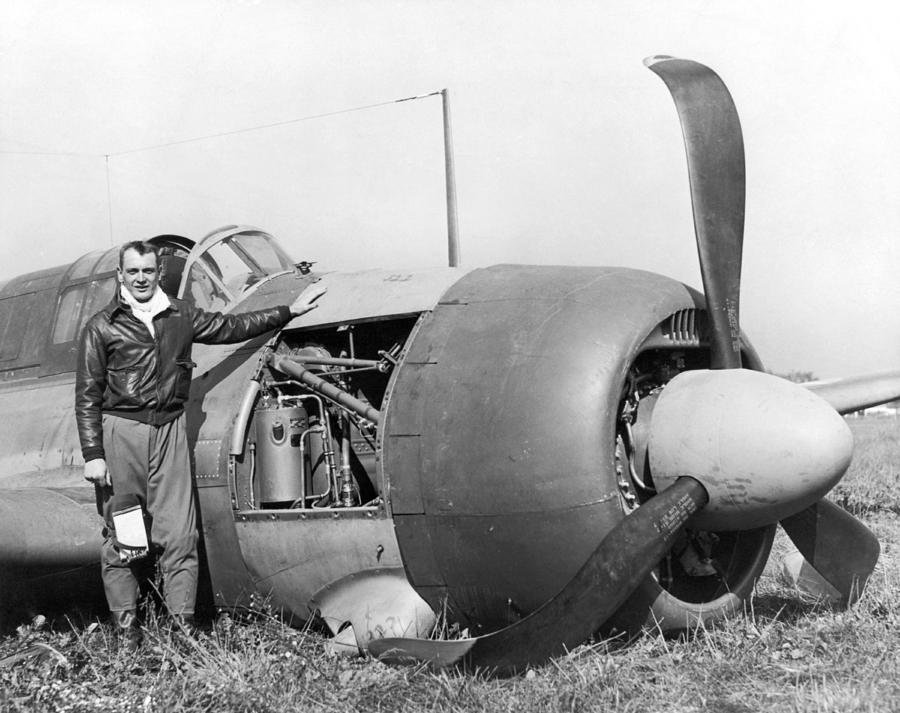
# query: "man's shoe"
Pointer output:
{"type": "Point", "coordinates": [128, 630]}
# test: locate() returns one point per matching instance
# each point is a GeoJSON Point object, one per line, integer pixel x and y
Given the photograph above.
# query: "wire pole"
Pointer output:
{"type": "Point", "coordinates": [109, 202]}
{"type": "Point", "coordinates": [450, 170]}
{"type": "Point", "coordinates": [450, 180]}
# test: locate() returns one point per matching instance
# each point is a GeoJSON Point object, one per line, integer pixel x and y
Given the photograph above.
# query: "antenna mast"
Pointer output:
{"type": "Point", "coordinates": [450, 180]}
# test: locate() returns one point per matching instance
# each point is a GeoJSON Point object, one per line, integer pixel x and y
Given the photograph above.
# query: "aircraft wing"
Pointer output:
{"type": "Point", "coordinates": [858, 392]}
{"type": "Point", "coordinates": [49, 543]}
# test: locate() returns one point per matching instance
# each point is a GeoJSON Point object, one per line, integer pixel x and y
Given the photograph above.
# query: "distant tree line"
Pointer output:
{"type": "Point", "coordinates": [798, 377]}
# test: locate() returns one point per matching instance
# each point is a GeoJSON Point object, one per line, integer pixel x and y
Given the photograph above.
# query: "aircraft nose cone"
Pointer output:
{"type": "Point", "coordinates": [763, 447]}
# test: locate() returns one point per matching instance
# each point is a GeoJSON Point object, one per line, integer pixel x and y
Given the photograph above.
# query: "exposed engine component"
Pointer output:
{"type": "Point", "coordinates": [294, 464]}
{"type": "Point", "coordinates": [280, 454]}
{"type": "Point", "coordinates": [650, 372]}
{"type": "Point", "coordinates": [305, 433]}
{"type": "Point", "coordinates": [693, 553]}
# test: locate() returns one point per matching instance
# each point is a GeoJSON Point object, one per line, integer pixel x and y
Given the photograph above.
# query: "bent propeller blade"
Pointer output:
{"type": "Point", "coordinates": [837, 545]}
{"type": "Point", "coordinates": [715, 155]}
{"type": "Point", "coordinates": [622, 560]}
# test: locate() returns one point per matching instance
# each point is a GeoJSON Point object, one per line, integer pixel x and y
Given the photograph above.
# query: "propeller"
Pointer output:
{"type": "Point", "coordinates": [715, 154]}
{"type": "Point", "coordinates": [729, 448]}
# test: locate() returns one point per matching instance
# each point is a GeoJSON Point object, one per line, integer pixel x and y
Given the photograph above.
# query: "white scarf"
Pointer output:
{"type": "Point", "coordinates": [146, 311]}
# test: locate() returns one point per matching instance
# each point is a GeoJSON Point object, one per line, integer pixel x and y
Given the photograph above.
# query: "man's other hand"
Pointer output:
{"type": "Point", "coordinates": [306, 301]}
{"type": "Point", "coordinates": [96, 471]}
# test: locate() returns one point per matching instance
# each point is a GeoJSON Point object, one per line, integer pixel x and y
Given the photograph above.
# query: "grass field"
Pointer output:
{"type": "Point", "coordinates": [785, 653]}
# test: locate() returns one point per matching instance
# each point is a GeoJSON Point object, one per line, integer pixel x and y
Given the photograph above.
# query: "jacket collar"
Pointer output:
{"type": "Point", "coordinates": [117, 304]}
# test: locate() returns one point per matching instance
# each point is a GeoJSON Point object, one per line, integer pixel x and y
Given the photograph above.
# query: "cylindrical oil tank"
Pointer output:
{"type": "Point", "coordinates": [279, 456]}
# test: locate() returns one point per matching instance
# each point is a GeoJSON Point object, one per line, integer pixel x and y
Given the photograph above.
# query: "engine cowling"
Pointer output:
{"type": "Point", "coordinates": [499, 436]}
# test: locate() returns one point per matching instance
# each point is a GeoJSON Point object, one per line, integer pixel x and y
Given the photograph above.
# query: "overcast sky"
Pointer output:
{"type": "Point", "coordinates": [568, 149]}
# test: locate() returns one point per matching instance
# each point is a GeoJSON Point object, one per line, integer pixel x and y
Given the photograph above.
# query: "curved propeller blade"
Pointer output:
{"type": "Point", "coordinates": [623, 559]}
{"type": "Point", "coordinates": [715, 155]}
{"type": "Point", "coordinates": [837, 545]}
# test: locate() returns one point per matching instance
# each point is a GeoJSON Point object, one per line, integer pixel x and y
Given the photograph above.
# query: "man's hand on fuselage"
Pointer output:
{"type": "Point", "coordinates": [306, 301]}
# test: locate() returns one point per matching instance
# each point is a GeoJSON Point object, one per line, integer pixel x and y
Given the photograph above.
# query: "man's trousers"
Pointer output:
{"type": "Point", "coordinates": [153, 463]}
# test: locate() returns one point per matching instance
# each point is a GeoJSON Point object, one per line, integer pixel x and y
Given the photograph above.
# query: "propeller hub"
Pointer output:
{"type": "Point", "coordinates": [764, 448]}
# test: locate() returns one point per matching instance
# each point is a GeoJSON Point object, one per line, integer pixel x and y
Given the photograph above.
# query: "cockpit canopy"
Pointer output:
{"type": "Point", "coordinates": [42, 313]}
{"type": "Point", "coordinates": [227, 264]}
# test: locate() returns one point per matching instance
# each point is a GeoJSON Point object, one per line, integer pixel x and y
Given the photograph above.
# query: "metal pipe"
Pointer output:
{"type": "Point", "coordinates": [336, 361]}
{"type": "Point", "coordinates": [303, 464]}
{"type": "Point", "coordinates": [314, 383]}
{"type": "Point", "coordinates": [328, 453]}
{"type": "Point", "coordinates": [450, 180]}
{"type": "Point", "coordinates": [251, 498]}
{"type": "Point", "coordinates": [324, 429]}
{"type": "Point", "coordinates": [290, 398]}
{"type": "Point", "coordinates": [303, 496]}
{"type": "Point", "coordinates": [346, 475]}
{"type": "Point", "coordinates": [301, 501]}
{"type": "Point", "coordinates": [243, 418]}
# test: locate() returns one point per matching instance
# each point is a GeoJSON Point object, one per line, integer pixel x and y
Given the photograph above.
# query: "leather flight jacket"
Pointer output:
{"type": "Point", "coordinates": [125, 371]}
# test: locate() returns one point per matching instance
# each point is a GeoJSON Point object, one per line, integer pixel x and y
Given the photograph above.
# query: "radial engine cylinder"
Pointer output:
{"type": "Point", "coordinates": [280, 454]}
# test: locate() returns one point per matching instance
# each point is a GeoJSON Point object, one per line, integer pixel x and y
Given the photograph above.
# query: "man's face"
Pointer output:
{"type": "Point", "coordinates": [139, 274]}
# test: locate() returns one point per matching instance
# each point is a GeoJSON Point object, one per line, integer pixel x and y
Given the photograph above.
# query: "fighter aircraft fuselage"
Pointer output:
{"type": "Point", "coordinates": [529, 453]}
{"type": "Point", "coordinates": [497, 461]}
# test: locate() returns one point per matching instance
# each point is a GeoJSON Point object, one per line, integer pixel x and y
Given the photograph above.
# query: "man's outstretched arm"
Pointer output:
{"type": "Point", "coordinates": [217, 328]}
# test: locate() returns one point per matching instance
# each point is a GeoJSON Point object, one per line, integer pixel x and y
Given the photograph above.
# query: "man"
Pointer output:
{"type": "Point", "coordinates": [133, 378]}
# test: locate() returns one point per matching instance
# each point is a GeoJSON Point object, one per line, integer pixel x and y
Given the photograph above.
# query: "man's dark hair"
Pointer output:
{"type": "Point", "coordinates": [141, 247]}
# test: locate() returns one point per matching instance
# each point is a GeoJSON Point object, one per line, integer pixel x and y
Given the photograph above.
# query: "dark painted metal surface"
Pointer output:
{"type": "Point", "coordinates": [44, 531]}
{"type": "Point", "coordinates": [840, 547]}
{"type": "Point", "coordinates": [39, 440]}
{"type": "Point", "coordinates": [715, 155]}
{"type": "Point", "coordinates": [620, 562]}
{"type": "Point", "coordinates": [498, 436]}
{"type": "Point", "coordinates": [27, 305]}
{"type": "Point", "coordinates": [292, 556]}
